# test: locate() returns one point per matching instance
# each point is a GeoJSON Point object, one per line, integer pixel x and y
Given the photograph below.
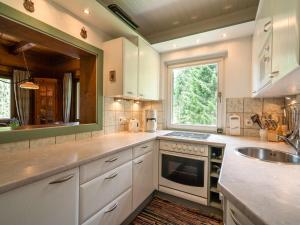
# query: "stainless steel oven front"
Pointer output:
{"type": "Point", "coordinates": [183, 172]}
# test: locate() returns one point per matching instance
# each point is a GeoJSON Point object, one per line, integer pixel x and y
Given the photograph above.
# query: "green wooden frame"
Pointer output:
{"type": "Point", "coordinates": [26, 20]}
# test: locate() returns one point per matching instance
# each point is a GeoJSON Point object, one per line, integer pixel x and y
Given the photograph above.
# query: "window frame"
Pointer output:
{"type": "Point", "coordinates": [5, 120]}
{"type": "Point", "coordinates": [220, 105]}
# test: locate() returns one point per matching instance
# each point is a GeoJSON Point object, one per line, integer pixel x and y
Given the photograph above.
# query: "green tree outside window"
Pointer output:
{"type": "Point", "coordinates": [195, 95]}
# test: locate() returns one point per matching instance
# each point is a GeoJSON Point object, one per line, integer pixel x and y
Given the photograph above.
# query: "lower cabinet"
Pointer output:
{"type": "Point", "coordinates": [50, 201]}
{"type": "Point", "coordinates": [142, 178]}
{"type": "Point", "coordinates": [115, 212]}
{"type": "Point", "coordinates": [234, 216]}
{"type": "Point", "coordinates": [97, 193]}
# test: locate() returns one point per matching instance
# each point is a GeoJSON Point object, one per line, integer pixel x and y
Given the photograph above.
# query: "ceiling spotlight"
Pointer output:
{"type": "Point", "coordinates": [174, 46]}
{"type": "Point", "coordinates": [198, 41]}
{"type": "Point", "coordinates": [224, 35]}
{"type": "Point", "coordinates": [86, 11]}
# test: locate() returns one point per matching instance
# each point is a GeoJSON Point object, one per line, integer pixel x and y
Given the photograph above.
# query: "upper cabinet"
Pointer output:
{"type": "Point", "coordinates": [148, 81]}
{"type": "Point", "coordinates": [276, 48]}
{"type": "Point", "coordinates": [131, 71]}
{"type": "Point", "coordinates": [120, 68]}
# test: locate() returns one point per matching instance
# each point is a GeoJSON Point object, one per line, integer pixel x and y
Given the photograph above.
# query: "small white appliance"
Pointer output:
{"type": "Point", "coordinates": [235, 125]}
{"type": "Point", "coordinates": [134, 125]}
{"type": "Point", "coordinates": [183, 169]}
{"type": "Point", "coordinates": [150, 120]}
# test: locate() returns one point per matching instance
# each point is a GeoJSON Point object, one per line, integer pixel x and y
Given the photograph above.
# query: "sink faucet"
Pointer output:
{"type": "Point", "coordinates": [294, 142]}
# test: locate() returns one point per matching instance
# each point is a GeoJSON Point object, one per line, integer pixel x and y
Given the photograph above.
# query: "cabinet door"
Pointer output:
{"type": "Point", "coordinates": [142, 178]}
{"type": "Point", "coordinates": [281, 47]}
{"type": "Point", "coordinates": [53, 200]}
{"type": "Point", "coordinates": [148, 81]}
{"type": "Point", "coordinates": [130, 69]}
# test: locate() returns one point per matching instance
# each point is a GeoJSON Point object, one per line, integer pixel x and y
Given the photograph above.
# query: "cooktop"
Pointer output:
{"type": "Point", "coordinates": [190, 135]}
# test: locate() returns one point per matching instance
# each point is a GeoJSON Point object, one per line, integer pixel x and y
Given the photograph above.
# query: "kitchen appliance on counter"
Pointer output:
{"type": "Point", "coordinates": [150, 120]}
{"type": "Point", "coordinates": [183, 169]}
{"type": "Point", "coordinates": [134, 125]}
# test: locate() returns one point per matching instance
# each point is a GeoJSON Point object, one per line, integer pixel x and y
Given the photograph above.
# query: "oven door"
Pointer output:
{"type": "Point", "coordinates": [182, 172]}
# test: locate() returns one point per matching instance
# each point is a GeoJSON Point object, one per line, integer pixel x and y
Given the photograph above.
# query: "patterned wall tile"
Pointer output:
{"type": "Point", "coordinates": [273, 105]}
{"type": "Point", "coordinates": [234, 105]}
{"type": "Point", "coordinates": [253, 105]}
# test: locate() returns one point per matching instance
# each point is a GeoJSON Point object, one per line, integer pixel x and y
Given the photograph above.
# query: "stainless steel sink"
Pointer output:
{"type": "Point", "coordinates": [269, 155]}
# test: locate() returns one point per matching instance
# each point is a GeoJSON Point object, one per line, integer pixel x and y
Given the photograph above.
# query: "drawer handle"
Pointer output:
{"type": "Point", "coordinates": [139, 162]}
{"type": "Point", "coordinates": [61, 180]}
{"type": "Point", "coordinates": [112, 208]}
{"type": "Point", "coordinates": [130, 92]}
{"type": "Point", "coordinates": [112, 160]}
{"type": "Point", "coordinates": [235, 220]}
{"type": "Point", "coordinates": [145, 146]}
{"type": "Point", "coordinates": [266, 27]}
{"type": "Point", "coordinates": [111, 176]}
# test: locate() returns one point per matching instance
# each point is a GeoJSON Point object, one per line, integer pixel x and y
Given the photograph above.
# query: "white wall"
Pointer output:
{"type": "Point", "coordinates": [237, 64]}
{"type": "Point", "coordinates": [56, 16]}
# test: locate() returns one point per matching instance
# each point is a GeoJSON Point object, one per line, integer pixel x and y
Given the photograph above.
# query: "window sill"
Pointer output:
{"type": "Point", "coordinates": [212, 129]}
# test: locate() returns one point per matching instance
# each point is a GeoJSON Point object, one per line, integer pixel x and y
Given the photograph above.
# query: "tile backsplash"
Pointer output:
{"type": "Point", "coordinates": [114, 111]}
{"type": "Point", "coordinates": [246, 107]}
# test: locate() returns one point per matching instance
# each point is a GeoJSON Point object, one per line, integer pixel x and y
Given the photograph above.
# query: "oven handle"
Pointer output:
{"type": "Point", "coordinates": [188, 156]}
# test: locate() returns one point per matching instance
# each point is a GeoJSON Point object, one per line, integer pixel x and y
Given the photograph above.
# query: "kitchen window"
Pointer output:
{"type": "Point", "coordinates": [195, 95]}
{"type": "Point", "coordinates": [5, 98]}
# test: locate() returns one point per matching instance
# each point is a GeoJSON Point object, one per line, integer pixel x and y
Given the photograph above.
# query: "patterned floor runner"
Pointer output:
{"type": "Point", "coordinates": [164, 212]}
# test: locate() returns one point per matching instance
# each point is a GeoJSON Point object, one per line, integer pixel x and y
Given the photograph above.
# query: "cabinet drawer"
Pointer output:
{"type": "Point", "coordinates": [115, 212]}
{"type": "Point", "coordinates": [143, 148]}
{"type": "Point", "coordinates": [53, 200]}
{"type": "Point", "coordinates": [101, 166]}
{"type": "Point", "coordinates": [97, 193]}
{"type": "Point", "coordinates": [235, 217]}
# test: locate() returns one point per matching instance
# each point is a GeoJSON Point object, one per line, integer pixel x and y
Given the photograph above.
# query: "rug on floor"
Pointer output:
{"type": "Point", "coordinates": [164, 212]}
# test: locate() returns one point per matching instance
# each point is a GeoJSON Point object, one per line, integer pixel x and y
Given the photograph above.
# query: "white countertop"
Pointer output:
{"type": "Point", "coordinates": [269, 193]}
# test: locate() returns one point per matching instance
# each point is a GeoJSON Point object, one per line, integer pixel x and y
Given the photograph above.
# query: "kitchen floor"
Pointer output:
{"type": "Point", "coordinates": [161, 210]}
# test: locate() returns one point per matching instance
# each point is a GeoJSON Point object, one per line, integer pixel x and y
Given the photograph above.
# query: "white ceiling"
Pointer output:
{"type": "Point", "coordinates": [231, 32]}
{"type": "Point", "coordinates": [161, 20]}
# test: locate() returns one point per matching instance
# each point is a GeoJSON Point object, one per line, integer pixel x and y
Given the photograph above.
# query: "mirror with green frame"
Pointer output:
{"type": "Point", "coordinates": [44, 82]}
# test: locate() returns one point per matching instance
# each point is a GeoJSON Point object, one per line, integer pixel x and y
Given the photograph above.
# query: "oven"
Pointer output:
{"type": "Point", "coordinates": [183, 169]}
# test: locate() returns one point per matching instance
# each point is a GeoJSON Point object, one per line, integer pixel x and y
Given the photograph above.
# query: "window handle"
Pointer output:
{"type": "Point", "coordinates": [220, 96]}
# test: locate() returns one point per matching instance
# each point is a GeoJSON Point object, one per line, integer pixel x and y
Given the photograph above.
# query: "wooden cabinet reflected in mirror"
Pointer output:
{"type": "Point", "coordinates": [63, 77]}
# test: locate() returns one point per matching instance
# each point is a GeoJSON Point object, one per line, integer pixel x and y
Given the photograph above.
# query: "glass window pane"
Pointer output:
{"type": "Point", "coordinates": [195, 95]}
{"type": "Point", "coordinates": [5, 98]}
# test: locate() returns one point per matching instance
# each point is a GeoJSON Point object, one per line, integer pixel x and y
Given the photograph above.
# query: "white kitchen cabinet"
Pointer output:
{"type": "Point", "coordinates": [142, 178]}
{"type": "Point", "coordinates": [53, 200]}
{"type": "Point", "coordinates": [97, 193]}
{"type": "Point", "coordinates": [148, 73]}
{"type": "Point", "coordinates": [234, 216]}
{"type": "Point", "coordinates": [275, 50]}
{"type": "Point", "coordinates": [285, 54]}
{"type": "Point", "coordinates": [120, 68]}
{"type": "Point", "coordinates": [115, 212]}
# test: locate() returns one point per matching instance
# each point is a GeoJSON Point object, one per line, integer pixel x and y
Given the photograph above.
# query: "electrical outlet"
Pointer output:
{"type": "Point", "coordinates": [249, 122]}
{"type": "Point", "coordinates": [122, 120]}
